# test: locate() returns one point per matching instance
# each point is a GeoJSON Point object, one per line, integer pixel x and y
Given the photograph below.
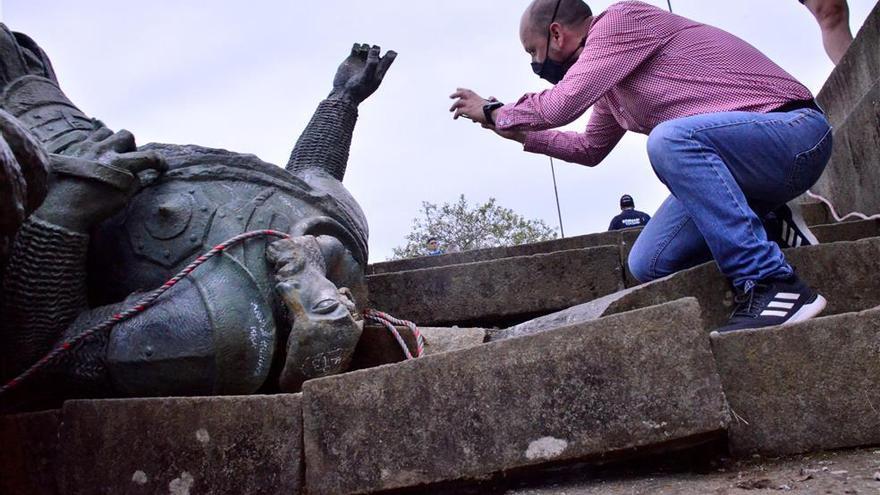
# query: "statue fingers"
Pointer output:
{"type": "Point", "coordinates": [100, 134]}
{"type": "Point", "coordinates": [120, 142]}
{"type": "Point", "coordinates": [385, 63]}
{"type": "Point", "coordinates": [363, 51]}
{"type": "Point", "coordinates": [140, 161]}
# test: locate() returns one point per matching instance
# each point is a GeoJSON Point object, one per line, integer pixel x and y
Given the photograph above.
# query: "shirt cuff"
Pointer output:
{"type": "Point", "coordinates": [502, 118]}
{"type": "Point", "coordinates": [537, 142]}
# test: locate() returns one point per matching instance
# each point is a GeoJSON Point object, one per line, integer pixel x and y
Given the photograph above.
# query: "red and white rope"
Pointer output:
{"type": "Point", "coordinates": [143, 304]}
{"type": "Point", "coordinates": [389, 321]}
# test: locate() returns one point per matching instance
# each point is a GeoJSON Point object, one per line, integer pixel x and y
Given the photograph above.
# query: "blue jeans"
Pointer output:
{"type": "Point", "coordinates": [726, 171]}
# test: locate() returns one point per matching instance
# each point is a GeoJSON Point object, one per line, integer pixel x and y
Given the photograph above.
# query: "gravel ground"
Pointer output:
{"type": "Point", "coordinates": [841, 472]}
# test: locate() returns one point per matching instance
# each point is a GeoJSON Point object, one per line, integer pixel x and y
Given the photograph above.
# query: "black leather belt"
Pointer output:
{"type": "Point", "coordinates": [797, 105]}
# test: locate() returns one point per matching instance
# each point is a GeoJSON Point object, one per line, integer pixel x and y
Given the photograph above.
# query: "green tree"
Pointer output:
{"type": "Point", "coordinates": [463, 227]}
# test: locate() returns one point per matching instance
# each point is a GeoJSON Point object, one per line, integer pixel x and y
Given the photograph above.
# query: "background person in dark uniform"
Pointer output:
{"type": "Point", "coordinates": [629, 216]}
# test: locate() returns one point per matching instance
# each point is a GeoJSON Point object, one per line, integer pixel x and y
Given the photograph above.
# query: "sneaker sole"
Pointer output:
{"type": "Point", "coordinates": [808, 311]}
{"type": "Point", "coordinates": [800, 226]}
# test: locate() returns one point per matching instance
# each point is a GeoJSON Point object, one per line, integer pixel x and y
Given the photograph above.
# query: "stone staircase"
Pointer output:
{"type": "Point", "coordinates": [549, 371]}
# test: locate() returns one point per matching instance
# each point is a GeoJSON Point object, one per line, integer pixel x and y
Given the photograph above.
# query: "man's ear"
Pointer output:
{"type": "Point", "coordinates": [557, 34]}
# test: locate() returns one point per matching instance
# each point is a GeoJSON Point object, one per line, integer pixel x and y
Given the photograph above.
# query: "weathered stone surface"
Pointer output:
{"type": "Point", "coordinates": [29, 453]}
{"type": "Point", "coordinates": [846, 231]}
{"type": "Point", "coordinates": [814, 212]}
{"type": "Point", "coordinates": [805, 387]}
{"type": "Point", "coordinates": [851, 98]}
{"type": "Point", "coordinates": [188, 445]}
{"type": "Point", "coordinates": [631, 381]}
{"type": "Point", "coordinates": [842, 272]}
{"type": "Point", "coordinates": [377, 346]}
{"type": "Point", "coordinates": [502, 290]}
{"type": "Point", "coordinates": [488, 254]}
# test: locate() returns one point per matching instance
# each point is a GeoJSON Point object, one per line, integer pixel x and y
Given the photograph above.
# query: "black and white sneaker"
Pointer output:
{"type": "Point", "coordinates": [774, 302]}
{"type": "Point", "coordinates": [786, 226]}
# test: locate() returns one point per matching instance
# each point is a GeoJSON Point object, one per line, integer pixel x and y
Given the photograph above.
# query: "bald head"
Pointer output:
{"type": "Point", "coordinates": [539, 14]}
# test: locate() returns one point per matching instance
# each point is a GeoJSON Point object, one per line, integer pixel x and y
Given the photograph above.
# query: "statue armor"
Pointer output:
{"type": "Point", "coordinates": [223, 329]}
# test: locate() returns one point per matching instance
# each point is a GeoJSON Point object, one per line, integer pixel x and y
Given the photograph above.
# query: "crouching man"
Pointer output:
{"type": "Point", "coordinates": [731, 134]}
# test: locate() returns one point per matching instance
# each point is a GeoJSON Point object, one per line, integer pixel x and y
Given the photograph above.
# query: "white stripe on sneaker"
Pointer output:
{"type": "Point", "coordinates": [768, 312]}
{"type": "Point", "coordinates": [782, 305]}
{"type": "Point", "coordinates": [787, 296]}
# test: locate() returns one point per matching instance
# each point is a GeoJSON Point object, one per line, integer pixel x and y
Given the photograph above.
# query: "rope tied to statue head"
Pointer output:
{"type": "Point", "coordinates": [144, 303]}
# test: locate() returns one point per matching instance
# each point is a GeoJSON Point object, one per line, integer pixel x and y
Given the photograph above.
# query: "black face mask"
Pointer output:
{"type": "Point", "coordinates": [551, 70]}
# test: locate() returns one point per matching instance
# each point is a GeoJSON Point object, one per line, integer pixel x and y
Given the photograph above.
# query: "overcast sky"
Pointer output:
{"type": "Point", "coordinates": [247, 76]}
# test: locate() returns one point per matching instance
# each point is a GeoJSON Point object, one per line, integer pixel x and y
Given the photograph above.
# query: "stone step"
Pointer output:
{"type": "Point", "coordinates": [627, 384]}
{"type": "Point", "coordinates": [846, 231]}
{"type": "Point", "coordinates": [805, 387]}
{"type": "Point", "coordinates": [492, 292]}
{"type": "Point", "coordinates": [843, 272]}
{"type": "Point", "coordinates": [815, 212]}
{"type": "Point", "coordinates": [496, 253]}
{"type": "Point", "coordinates": [235, 445]}
{"type": "Point", "coordinates": [29, 453]}
{"type": "Point", "coordinates": [377, 346]}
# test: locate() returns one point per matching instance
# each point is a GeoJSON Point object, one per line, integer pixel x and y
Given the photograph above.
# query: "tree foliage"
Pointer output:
{"type": "Point", "coordinates": [461, 227]}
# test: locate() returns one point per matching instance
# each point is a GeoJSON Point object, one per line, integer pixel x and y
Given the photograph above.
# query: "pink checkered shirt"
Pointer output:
{"type": "Point", "coordinates": [642, 66]}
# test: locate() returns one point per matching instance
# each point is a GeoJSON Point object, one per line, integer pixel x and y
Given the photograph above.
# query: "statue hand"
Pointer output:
{"type": "Point", "coordinates": [361, 73]}
{"type": "Point", "coordinates": [95, 178]}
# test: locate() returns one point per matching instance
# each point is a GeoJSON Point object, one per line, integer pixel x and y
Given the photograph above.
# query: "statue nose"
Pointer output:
{"type": "Point", "coordinates": [326, 306]}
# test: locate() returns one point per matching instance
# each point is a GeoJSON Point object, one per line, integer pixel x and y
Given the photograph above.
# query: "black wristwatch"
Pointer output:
{"type": "Point", "coordinates": [490, 107]}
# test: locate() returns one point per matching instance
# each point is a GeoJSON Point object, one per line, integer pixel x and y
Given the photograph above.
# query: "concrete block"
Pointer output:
{"type": "Point", "coordinates": [805, 387]}
{"type": "Point", "coordinates": [233, 445]}
{"type": "Point", "coordinates": [496, 253]}
{"type": "Point", "coordinates": [377, 346]}
{"type": "Point", "coordinates": [846, 231]}
{"type": "Point", "coordinates": [29, 453]}
{"type": "Point", "coordinates": [851, 179]}
{"type": "Point", "coordinates": [843, 272]}
{"type": "Point", "coordinates": [509, 289]}
{"type": "Point", "coordinates": [622, 385]}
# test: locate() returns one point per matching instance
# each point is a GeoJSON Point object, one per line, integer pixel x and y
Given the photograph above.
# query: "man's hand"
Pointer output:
{"type": "Point", "coordinates": [468, 105]}
{"type": "Point", "coordinates": [361, 73]}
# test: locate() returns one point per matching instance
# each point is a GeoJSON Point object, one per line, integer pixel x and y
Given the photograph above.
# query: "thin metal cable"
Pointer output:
{"type": "Point", "coordinates": [556, 192]}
